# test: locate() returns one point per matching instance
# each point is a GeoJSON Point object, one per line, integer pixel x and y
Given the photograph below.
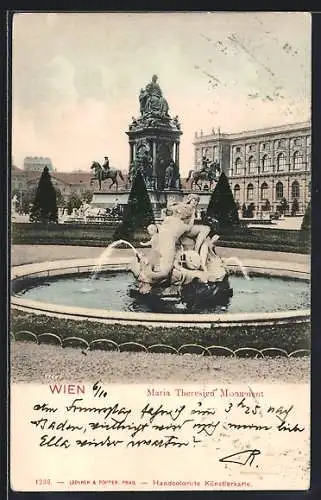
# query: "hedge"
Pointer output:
{"type": "Point", "coordinates": [102, 234]}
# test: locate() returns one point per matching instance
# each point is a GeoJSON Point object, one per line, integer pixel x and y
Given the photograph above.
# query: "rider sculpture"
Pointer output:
{"type": "Point", "coordinates": [207, 173]}
{"type": "Point", "coordinates": [104, 172]}
{"type": "Point", "coordinates": [105, 165]}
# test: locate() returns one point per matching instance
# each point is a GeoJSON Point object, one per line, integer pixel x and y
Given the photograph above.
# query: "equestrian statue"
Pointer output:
{"type": "Point", "coordinates": [104, 172]}
{"type": "Point", "coordinates": [208, 173]}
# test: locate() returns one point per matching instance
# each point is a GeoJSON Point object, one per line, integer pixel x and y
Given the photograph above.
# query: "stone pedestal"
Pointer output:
{"type": "Point", "coordinates": [153, 146]}
{"type": "Point", "coordinates": [158, 199]}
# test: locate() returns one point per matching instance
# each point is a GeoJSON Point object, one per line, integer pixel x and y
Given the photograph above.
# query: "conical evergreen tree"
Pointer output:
{"type": "Point", "coordinates": [222, 205]}
{"type": "Point", "coordinates": [138, 213]}
{"type": "Point", "coordinates": [45, 204]}
{"type": "Point", "coordinates": [306, 223]}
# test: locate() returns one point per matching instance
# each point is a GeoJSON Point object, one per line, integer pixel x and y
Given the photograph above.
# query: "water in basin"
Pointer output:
{"type": "Point", "coordinates": [111, 291]}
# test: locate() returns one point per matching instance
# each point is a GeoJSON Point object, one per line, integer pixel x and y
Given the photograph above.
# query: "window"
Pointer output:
{"type": "Point", "coordinates": [264, 191]}
{"type": "Point", "coordinates": [249, 192]}
{"type": "Point", "coordinates": [266, 163]}
{"type": "Point", "coordinates": [308, 161]}
{"type": "Point", "coordinates": [238, 149]}
{"type": "Point", "coordinates": [238, 166]}
{"type": "Point", "coordinates": [280, 162]}
{"type": "Point", "coordinates": [215, 151]}
{"type": "Point", "coordinates": [279, 190]}
{"type": "Point", "coordinates": [251, 164]}
{"type": "Point", "coordinates": [297, 160]}
{"type": "Point", "coordinates": [295, 190]}
{"type": "Point", "coordinates": [263, 146]}
{"type": "Point", "coordinates": [297, 142]}
{"type": "Point", "coordinates": [236, 192]}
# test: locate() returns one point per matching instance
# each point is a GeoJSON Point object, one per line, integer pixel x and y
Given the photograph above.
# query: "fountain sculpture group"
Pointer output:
{"type": "Point", "coordinates": [182, 263]}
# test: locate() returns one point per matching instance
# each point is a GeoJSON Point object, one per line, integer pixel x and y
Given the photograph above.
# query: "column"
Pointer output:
{"type": "Point", "coordinates": [155, 180]}
{"type": "Point", "coordinates": [177, 153]}
{"type": "Point", "coordinates": [258, 204]}
{"type": "Point", "coordinates": [244, 190]}
{"type": "Point", "coordinates": [131, 152]}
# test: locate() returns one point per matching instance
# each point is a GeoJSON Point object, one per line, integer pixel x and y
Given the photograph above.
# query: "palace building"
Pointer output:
{"type": "Point", "coordinates": [263, 166]}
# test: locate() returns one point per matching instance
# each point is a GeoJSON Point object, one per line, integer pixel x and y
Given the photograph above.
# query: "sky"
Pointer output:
{"type": "Point", "coordinates": [76, 78]}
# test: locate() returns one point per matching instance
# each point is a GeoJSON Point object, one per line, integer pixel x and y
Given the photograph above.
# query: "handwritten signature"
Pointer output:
{"type": "Point", "coordinates": [241, 457]}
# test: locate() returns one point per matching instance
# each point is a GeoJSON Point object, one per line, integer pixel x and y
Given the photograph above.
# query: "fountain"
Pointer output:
{"type": "Point", "coordinates": [182, 264]}
{"type": "Point", "coordinates": [179, 281]}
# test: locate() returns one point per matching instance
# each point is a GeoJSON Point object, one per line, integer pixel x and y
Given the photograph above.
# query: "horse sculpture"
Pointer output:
{"type": "Point", "coordinates": [209, 175]}
{"type": "Point", "coordinates": [102, 174]}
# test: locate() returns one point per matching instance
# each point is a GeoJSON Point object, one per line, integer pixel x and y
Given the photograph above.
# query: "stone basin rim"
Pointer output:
{"type": "Point", "coordinates": [76, 266]}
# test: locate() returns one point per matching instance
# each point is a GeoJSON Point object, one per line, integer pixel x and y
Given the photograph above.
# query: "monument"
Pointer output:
{"type": "Point", "coordinates": [154, 141]}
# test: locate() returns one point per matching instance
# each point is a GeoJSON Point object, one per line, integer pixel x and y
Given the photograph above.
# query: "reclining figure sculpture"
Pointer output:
{"type": "Point", "coordinates": [182, 261]}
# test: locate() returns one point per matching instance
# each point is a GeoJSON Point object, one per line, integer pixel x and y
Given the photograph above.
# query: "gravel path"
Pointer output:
{"type": "Point", "coordinates": [45, 363]}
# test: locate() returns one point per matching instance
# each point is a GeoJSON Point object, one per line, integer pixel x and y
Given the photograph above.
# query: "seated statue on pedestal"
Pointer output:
{"type": "Point", "coordinates": [183, 261]}
{"type": "Point", "coordinates": [152, 102]}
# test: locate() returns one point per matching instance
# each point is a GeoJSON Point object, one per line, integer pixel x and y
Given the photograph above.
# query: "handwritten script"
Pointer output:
{"type": "Point", "coordinates": [109, 423]}
{"type": "Point", "coordinates": [235, 431]}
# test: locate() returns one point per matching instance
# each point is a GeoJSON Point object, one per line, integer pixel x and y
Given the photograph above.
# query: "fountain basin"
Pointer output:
{"type": "Point", "coordinates": [22, 275]}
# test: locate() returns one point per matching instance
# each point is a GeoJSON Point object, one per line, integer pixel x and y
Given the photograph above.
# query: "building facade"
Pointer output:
{"type": "Point", "coordinates": [263, 166]}
{"type": "Point", "coordinates": [67, 182]}
{"type": "Point", "coordinates": [37, 163]}
{"type": "Point", "coordinates": [24, 181]}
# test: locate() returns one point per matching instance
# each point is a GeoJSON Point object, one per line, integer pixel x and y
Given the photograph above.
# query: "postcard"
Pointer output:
{"type": "Point", "coordinates": [160, 256]}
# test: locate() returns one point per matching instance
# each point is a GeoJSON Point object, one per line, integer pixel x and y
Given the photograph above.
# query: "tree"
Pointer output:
{"type": "Point", "coordinates": [74, 201]}
{"type": "Point", "coordinates": [138, 213]}
{"type": "Point", "coordinates": [87, 196]}
{"type": "Point", "coordinates": [267, 206]}
{"type": "Point", "coordinates": [222, 205]}
{"type": "Point", "coordinates": [60, 199]}
{"type": "Point", "coordinates": [306, 223]}
{"type": "Point", "coordinates": [295, 207]}
{"type": "Point", "coordinates": [283, 207]}
{"type": "Point", "coordinates": [44, 207]}
{"type": "Point", "coordinates": [250, 211]}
